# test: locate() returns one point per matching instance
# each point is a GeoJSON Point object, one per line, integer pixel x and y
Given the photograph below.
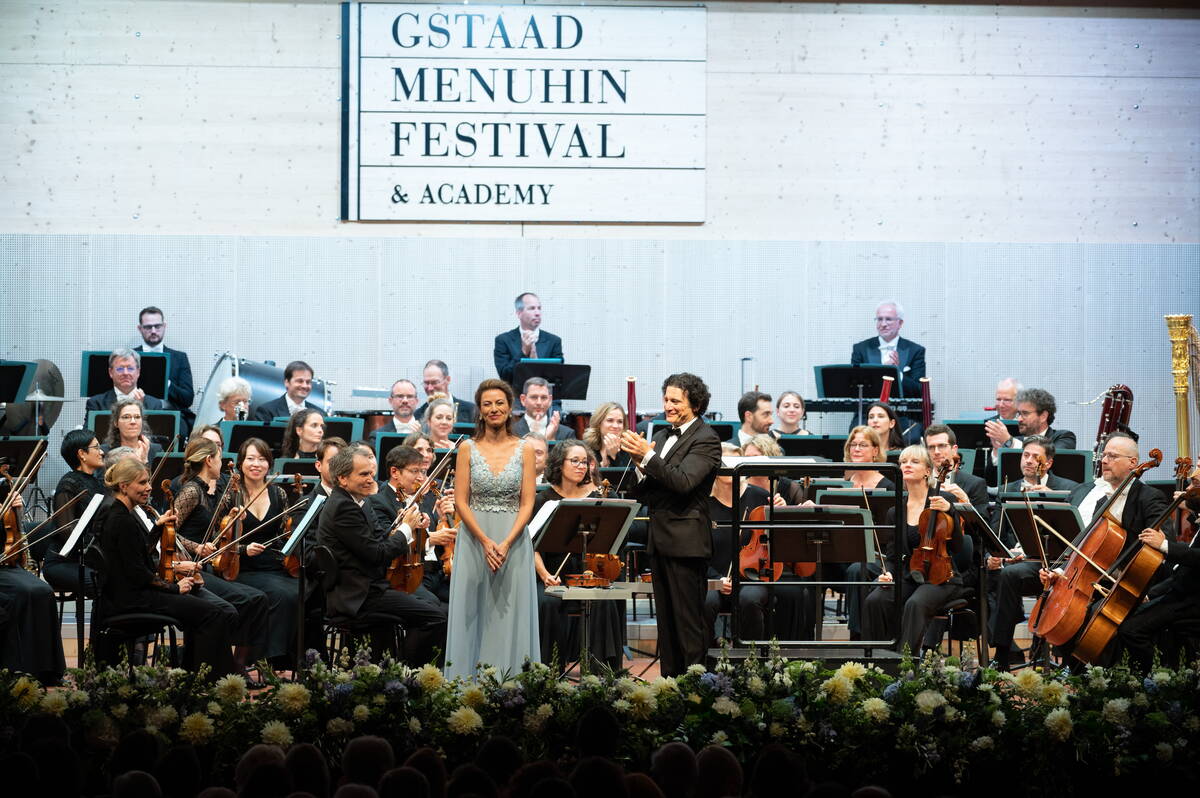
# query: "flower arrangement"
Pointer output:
{"type": "Point", "coordinates": [933, 724]}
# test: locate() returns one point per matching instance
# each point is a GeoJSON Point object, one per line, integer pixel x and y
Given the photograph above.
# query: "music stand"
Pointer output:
{"type": "Point", "coordinates": [880, 502]}
{"type": "Point", "coordinates": [567, 381]}
{"type": "Point", "coordinates": [831, 447]}
{"type": "Point", "coordinates": [1073, 464]}
{"type": "Point", "coordinates": [236, 433]}
{"type": "Point", "coordinates": [15, 449]}
{"type": "Point", "coordinates": [576, 525]}
{"type": "Point", "coordinates": [1064, 518]}
{"type": "Point", "coordinates": [858, 381]}
{"type": "Point", "coordinates": [297, 540]}
{"type": "Point", "coordinates": [155, 368]}
{"type": "Point", "coordinates": [344, 427]}
{"type": "Point", "coordinates": [970, 433]}
{"type": "Point", "coordinates": [15, 379]}
{"type": "Point", "coordinates": [305, 466]}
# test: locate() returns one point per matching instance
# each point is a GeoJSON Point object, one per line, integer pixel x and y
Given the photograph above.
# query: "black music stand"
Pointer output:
{"type": "Point", "coordinates": [155, 368]}
{"type": "Point", "coordinates": [978, 528]}
{"type": "Point", "coordinates": [1064, 518]}
{"type": "Point", "coordinates": [1073, 464]}
{"type": "Point", "coordinates": [16, 449]}
{"type": "Point", "coordinates": [567, 381]}
{"type": "Point", "coordinates": [16, 377]}
{"type": "Point", "coordinates": [344, 427]}
{"type": "Point", "coordinates": [831, 447]}
{"type": "Point", "coordinates": [880, 502]}
{"type": "Point", "coordinates": [970, 433]}
{"type": "Point", "coordinates": [297, 540]}
{"type": "Point", "coordinates": [860, 382]}
{"type": "Point", "coordinates": [305, 466]}
{"type": "Point", "coordinates": [238, 432]}
{"type": "Point", "coordinates": [576, 526]}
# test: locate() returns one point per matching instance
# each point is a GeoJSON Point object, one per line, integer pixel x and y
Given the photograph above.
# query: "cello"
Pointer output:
{"type": "Point", "coordinates": [1064, 609]}
{"type": "Point", "coordinates": [931, 558]}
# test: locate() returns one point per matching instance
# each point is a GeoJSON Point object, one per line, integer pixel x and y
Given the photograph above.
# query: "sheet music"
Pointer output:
{"type": "Point", "coordinates": [82, 523]}
{"type": "Point", "coordinates": [539, 520]}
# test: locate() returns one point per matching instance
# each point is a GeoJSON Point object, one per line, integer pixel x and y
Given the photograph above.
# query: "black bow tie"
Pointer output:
{"type": "Point", "coordinates": [674, 432]}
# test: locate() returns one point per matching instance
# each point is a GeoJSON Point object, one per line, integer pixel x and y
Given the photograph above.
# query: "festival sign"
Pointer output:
{"type": "Point", "coordinates": [523, 113]}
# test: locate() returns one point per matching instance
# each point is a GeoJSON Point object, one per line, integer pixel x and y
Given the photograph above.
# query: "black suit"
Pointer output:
{"type": "Point", "coordinates": [106, 400]}
{"type": "Point", "coordinates": [676, 490]}
{"type": "Point", "coordinates": [1143, 506]}
{"type": "Point", "coordinates": [912, 362]}
{"type": "Point", "coordinates": [1174, 605]}
{"type": "Point", "coordinates": [180, 393]}
{"type": "Point", "coordinates": [1061, 438]}
{"type": "Point", "coordinates": [1053, 482]}
{"type": "Point", "coordinates": [278, 408]}
{"type": "Point", "coordinates": [507, 353]}
{"type": "Point", "coordinates": [386, 504]}
{"type": "Point", "coordinates": [975, 488]}
{"type": "Point", "coordinates": [362, 591]}
{"type": "Point", "coordinates": [521, 429]}
{"type": "Point", "coordinates": [465, 415]}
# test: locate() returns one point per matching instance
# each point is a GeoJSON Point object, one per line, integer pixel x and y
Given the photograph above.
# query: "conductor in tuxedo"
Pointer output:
{"type": "Point", "coordinates": [297, 385]}
{"type": "Point", "coordinates": [889, 349]}
{"type": "Point", "coordinates": [124, 369]}
{"type": "Point", "coordinates": [153, 328]}
{"type": "Point", "coordinates": [676, 474]}
{"type": "Point", "coordinates": [526, 340]}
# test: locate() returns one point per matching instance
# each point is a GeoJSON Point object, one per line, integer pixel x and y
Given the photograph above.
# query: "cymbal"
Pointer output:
{"type": "Point", "coordinates": [48, 389]}
{"type": "Point", "coordinates": [41, 396]}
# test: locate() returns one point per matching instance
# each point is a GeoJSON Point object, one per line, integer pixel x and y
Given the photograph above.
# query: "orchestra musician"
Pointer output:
{"type": "Point", "coordinates": [435, 379]}
{"type": "Point", "coordinates": [124, 369]}
{"type": "Point", "coordinates": [1006, 399]}
{"type": "Point", "coordinates": [403, 400]}
{"type": "Point", "coordinates": [603, 435]}
{"type": "Point", "coordinates": [889, 349]}
{"type": "Point", "coordinates": [790, 415]}
{"type": "Point", "coordinates": [297, 385]}
{"type": "Point", "coordinates": [754, 413]}
{"type": "Point", "coordinates": [233, 398]}
{"type": "Point", "coordinates": [423, 444]}
{"type": "Point", "coordinates": [128, 427]}
{"type": "Point", "coordinates": [966, 488]}
{"type": "Point", "coordinates": [152, 326]}
{"type": "Point", "coordinates": [83, 455]}
{"type": "Point", "coordinates": [439, 422]}
{"type": "Point", "coordinates": [921, 600]}
{"type": "Point", "coordinates": [883, 419]}
{"type": "Point", "coordinates": [537, 397]}
{"type": "Point", "coordinates": [677, 472]}
{"type": "Point", "coordinates": [363, 552]}
{"type": "Point", "coordinates": [1031, 448]}
{"type": "Point", "coordinates": [1035, 414]}
{"type": "Point", "coordinates": [539, 448]}
{"type": "Point", "coordinates": [526, 340]}
{"type": "Point", "coordinates": [31, 637]}
{"type": "Point", "coordinates": [304, 432]}
{"type": "Point", "coordinates": [862, 446]}
{"type": "Point", "coordinates": [131, 582]}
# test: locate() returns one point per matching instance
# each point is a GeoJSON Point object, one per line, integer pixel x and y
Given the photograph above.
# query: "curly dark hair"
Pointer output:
{"type": "Point", "coordinates": [693, 388]}
{"type": "Point", "coordinates": [1042, 401]}
{"type": "Point", "coordinates": [492, 385]}
{"type": "Point", "coordinates": [558, 456]}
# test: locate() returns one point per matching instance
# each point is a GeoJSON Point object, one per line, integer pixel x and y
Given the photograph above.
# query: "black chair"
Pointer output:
{"type": "Point", "coordinates": [341, 633]}
{"type": "Point", "coordinates": [127, 628]}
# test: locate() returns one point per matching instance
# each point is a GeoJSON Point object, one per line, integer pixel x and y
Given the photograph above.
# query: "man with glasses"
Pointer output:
{"type": "Point", "coordinates": [966, 488]}
{"type": "Point", "coordinates": [1035, 414]}
{"type": "Point", "coordinates": [435, 379]}
{"type": "Point", "coordinates": [124, 369]}
{"type": "Point", "coordinates": [403, 399]}
{"type": "Point", "coordinates": [153, 327]}
{"type": "Point", "coordinates": [889, 349]}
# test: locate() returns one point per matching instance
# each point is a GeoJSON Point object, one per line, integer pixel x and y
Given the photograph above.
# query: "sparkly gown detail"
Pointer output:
{"type": "Point", "coordinates": [493, 618]}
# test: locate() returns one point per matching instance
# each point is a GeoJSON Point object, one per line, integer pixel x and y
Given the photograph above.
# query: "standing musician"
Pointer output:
{"type": "Point", "coordinates": [406, 472]}
{"type": "Point", "coordinates": [603, 435]}
{"type": "Point", "coordinates": [922, 600]}
{"type": "Point", "coordinates": [83, 455]}
{"type": "Point", "coordinates": [152, 326]}
{"type": "Point", "coordinates": [526, 340]}
{"type": "Point", "coordinates": [790, 415]}
{"type": "Point", "coordinates": [889, 349]}
{"type": "Point", "coordinates": [363, 553]}
{"type": "Point", "coordinates": [297, 385]}
{"type": "Point", "coordinates": [259, 549]}
{"type": "Point", "coordinates": [966, 488]}
{"type": "Point", "coordinates": [435, 379]}
{"type": "Point", "coordinates": [754, 412]}
{"type": "Point", "coordinates": [195, 506]}
{"type": "Point", "coordinates": [131, 582]}
{"type": "Point", "coordinates": [677, 473]}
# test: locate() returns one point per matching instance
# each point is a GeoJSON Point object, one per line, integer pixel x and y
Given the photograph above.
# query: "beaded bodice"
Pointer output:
{"type": "Point", "coordinates": [496, 492]}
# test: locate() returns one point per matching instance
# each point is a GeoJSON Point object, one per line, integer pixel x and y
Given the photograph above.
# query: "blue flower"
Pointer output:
{"type": "Point", "coordinates": [968, 679]}
{"type": "Point", "coordinates": [396, 688]}
{"type": "Point", "coordinates": [312, 657]}
{"type": "Point", "coordinates": [891, 691]}
{"type": "Point", "coordinates": [343, 691]}
{"type": "Point", "coordinates": [1150, 685]}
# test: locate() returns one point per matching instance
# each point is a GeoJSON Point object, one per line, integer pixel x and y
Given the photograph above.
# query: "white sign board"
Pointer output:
{"type": "Point", "coordinates": [523, 113]}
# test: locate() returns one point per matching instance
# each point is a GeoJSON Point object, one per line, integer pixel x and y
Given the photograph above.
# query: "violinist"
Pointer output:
{"type": "Point", "coordinates": [304, 432]}
{"type": "Point", "coordinates": [259, 549]}
{"type": "Point", "coordinates": [603, 435]}
{"type": "Point", "coordinates": [922, 599]}
{"type": "Point", "coordinates": [423, 444]}
{"type": "Point", "coordinates": [790, 415]}
{"type": "Point", "coordinates": [363, 553]}
{"type": "Point", "coordinates": [568, 477]}
{"type": "Point", "coordinates": [965, 488]}
{"type": "Point", "coordinates": [196, 504]}
{"type": "Point", "coordinates": [131, 582]}
{"type": "Point", "coordinates": [883, 419]}
{"type": "Point", "coordinates": [406, 473]}
{"type": "Point", "coordinates": [83, 455]}
{"type": "Point", "coordinates": [128, 427]}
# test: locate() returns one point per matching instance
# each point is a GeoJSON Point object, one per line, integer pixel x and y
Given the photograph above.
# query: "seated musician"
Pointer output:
{"type": "Point", "coordinates": [199, 511]}
{"type": "Point", "coordinates": [567, 475]}
{"type": "Point", "coordinates": [297, 385]}
{"type": "Point", "coordinates": [536, 441]}
{"type": "Point", "coordinates": [863, 445]}
{"type": "Point", "coordinates": [124, 369]}
{"type": "Point", "coordinates": [1031, 447]}
{"type": "Point", "coordinates": [790, 415]}
{"type": "Point", "coordinates": [435, 379]}
{"type": "Point", "coordinates": [439, 422]}
{"type": "Point", "coordinates": [537, 396]}
{"type": "Point", "coordinates": [82, 453]}
{"type": "Point", "coordinates": [966, 488]}
{"type": "Point", "coordinates": [1006, 399]}
{"type": "Point", "coordinates": [259, 549]}
{"type": "Point", "coordinates": [363, 553]}
{"type": "Point", "coordinates": [921, 599]}
{"type": "Point", "coordinates": [131, 582]}
{"type": "Point", "coordinates": [787, 491]}
{"type": "Point", "coordinates": [406, 473]}
{"type": "Point", "coordinates": [423, 444]}
{"type": "Point", "coordinates": [30, 640]}
{"type": "Point", "coordinates": [753, 599]}
{"type": "Point", "coordinates": [754, 413]}
{"type": "Point", "coordinates": [403, 400]}
{"type": "Point", "coordinates": [303, 434]}
{"type": "Point", "coordinates": [603, 435]}
{"type": "Point", "coordinates": [883, 419]}
{"type": "Point", "coordinates": [233, 398]}
{"type": "Point", "coordinates": [128, 427]}
{"type": "Point", "coordinates": [1035, 414]}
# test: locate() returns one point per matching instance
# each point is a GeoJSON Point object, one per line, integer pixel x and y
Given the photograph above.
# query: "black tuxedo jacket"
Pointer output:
{"type": "Point", "coordinates": [180, 392]}
{"type": "Point", "coordinates": [508, 351]}
{"type": "Point", "coordinates": [278, 408]}
{"type": "Point", "coordinates": [975, 488]}
{"type": "Point", "coordinates": [1185, 576]}
{"type": "Point", "coordinates": [361, 551]}
{"type": "Point", "coordinates": [676, 490]}
{"type": "Point", "coordinates": [466, 411]}
{"type": "Point", "coordinates": [912, 361]}
{"type": "Point", "coordinates": [105, 401]}
{"type": "Point", "coordinates": [1143, 506]}
{"type": "Point", "coordinates": [521, 429]}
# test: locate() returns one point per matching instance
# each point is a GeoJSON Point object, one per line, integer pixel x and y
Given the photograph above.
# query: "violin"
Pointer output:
{"type": "Point", "coordinates": [228, 563]}
{"type": "Point", "coordinates": [445, 523]}
{"type": "Point", "coordinates": [932, 558]}
{"type": "Point", "coordinates": [1063, 609]}
{"type": "Point", "coordinates": [754, 560]}
{"type": "Point", "coordinates": [291, 563]}
{"type": "Point", "coordinates": [15, 551]}
{"type": "Point", "coordinates": [166, 543]}
{"type": "Point", "coordinates": [406, 572]}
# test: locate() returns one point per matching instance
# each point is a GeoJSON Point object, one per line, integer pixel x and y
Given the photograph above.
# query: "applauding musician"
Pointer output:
{"type": "Point", "coordinates": [603, 435]}
{"type": "Point", "coordinates": [539, 417]}
{"type": "Point", "coordinates": [526, 340]}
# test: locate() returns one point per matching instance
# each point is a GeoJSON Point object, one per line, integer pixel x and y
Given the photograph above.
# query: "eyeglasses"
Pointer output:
{"type": "Point", "coordinates": [887, 318]}
{"type": "Point", "coordinates": [129, 418]}
{"type": "Point", "coordinates": [1112, 456]}
{"type": "Point", "coordinates": [95, 447]}
{"type": "Point", "coordinates": [125, 369]}
{"type": "Point", "coordinates": [861, 445]}
{"type": "Point", "coordinates": [404, 396]}
{"type": "Point", "coordinates": [575, 461]}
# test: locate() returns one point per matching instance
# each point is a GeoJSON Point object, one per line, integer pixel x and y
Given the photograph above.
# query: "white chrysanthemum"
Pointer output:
{"type": "Point", "coordinates": [196, 728]}
{"type": "Point", "coordinates": [343, 677]}
{"type": "Point", "coordinates": [215, 708]}
{"type": "Point", "coordinates": [929, 700]}
{"type": "Point", "coordinates": [162, 716]}
{"type": "Point", "coordinates": [361, 713]}
{"type": "Point", "coordinates": [1161, 677]}
{"type": "Point", "coordinates": [1054, 694]}
{"type": "Point", "coordinates": [125, 691]}
{"type": "Point", "coordinates": [696, 670]}
{"type": "Point", "coordinates": [292, 698]}
{"type": "Point", "coordinates": [876, 709]}
{"type": "Point", "coordinates": [339, 727]}
{"type": "Point", "coordinates": [370, 670]}
{"type": "Point", "coordinates": [1164, 752]}
{"type": "Point", "coordinates": [1116, 711]}
{"type": "Point", "coordinates": [230, 689]}
{"type": "Point", "coordinates": [998, 719]}
{"type": "Point", "coordinates": [591, 680]}
{"type": "Point", "coordinates": [621, 705]}
{"type": "Point", "coordinates": [756, 685]}
{"type": "Point", "coordinates": [535, 719]}
{"type": "Point", "coordinates": [983, 743]}
{"type": "Point", "coordinates": [625, 685]}
{"type": "Point", "coordinates": [1058, 722]}
{"type": "Point", "coordinates": [564, 687]}
{"type": "Point", "coordinates": [665, 684]}
{"type": "Point", "coordinates": [474, 696]}
{"type": "Point", "coordinates": [642, 702]}
{"type": "Point", "coordinates": [806, 666]}
{"type": "Point", "coordinates": [77, 698]}
{"type": "Point", "coordinates": [852, 671]}
{"type": "Point", "coordinates": [950, 714]}
{"type": "Point", "coordinates": [726, 706]}
{"type": "Point", "coordinates": [1028, 681]}
{"type": "Point", "coordinates": [276, 732]}
{"type": "Point", "coordinates": [430, 678]}
{"type": "Point", "coordinates": [719, 738]}
{"type": "Point", "coordinates": [464, 720]}
{"type": "Point", "coordinates": [838, 688]}
{"type": "Point", "coordinates": [26, 692]}
{"type": "Point", "coordinates": [414, 725]}
{"type": "Point", "coordinates": [119, 711]}
{"type": "Point", "coordinates": [54, 702]}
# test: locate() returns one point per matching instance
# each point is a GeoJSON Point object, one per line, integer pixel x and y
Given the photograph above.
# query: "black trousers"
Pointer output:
{"type": "Point", "coordinates": [253, 611]}
{"type": "Point", "coordinates": [752, 611]}
{"type": "Point", "coordinates": [680, 585]}
{"type": "Point", "coordinates": [283, 612]}
{"type": "Point", "coordinates": [31, 638]}
{"type": "Point", "coordinates": [424, 624]}
{"type": "Point", "coordinates": [921, 603]}
{"type": "Point", "coordinates": [207, 625]}
{"type": "Point", "coordinates": [856, 571]}
{"type": "Point", "coordinates": [436, 583]}
{"type": "Point", "coordinates": [1174, 612]}
{"type": "Point", "coordinates": [1013, 582]}
{"type": "Point", "coordinates": [63, 575]}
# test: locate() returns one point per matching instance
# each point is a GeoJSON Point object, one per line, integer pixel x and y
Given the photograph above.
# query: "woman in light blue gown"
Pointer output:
{"type": "Point", "coordinates": [493, 617]}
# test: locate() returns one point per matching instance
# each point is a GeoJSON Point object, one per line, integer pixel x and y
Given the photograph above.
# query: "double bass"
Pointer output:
{"type": "Point", "coordinates": [932, 558]}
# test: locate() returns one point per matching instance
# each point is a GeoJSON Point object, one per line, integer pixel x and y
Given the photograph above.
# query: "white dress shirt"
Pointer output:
{"type": "Point", "coordinates": [1100, 491]}
{"type": "Point", "coordinates": [670, 442]}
